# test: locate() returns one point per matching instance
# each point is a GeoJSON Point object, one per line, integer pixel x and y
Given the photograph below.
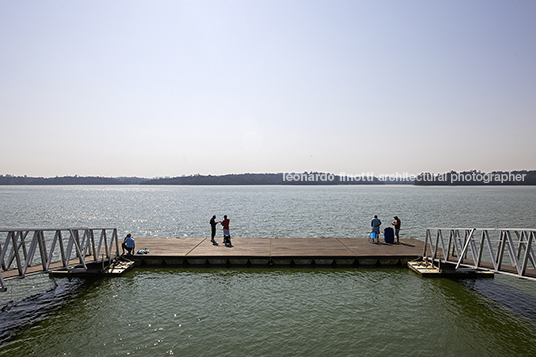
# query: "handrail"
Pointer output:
{"type": "Point", "coordinates": [14, 249]}
{"type": "Point", "coordinates": [517, 242]}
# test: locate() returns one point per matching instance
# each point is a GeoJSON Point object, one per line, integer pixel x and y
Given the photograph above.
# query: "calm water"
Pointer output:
{"type": "Point", "coordinates": [267, 311]}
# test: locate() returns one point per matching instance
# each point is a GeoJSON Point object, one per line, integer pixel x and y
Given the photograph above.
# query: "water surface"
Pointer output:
{"type": "Point", "coordinates": [267, 311]}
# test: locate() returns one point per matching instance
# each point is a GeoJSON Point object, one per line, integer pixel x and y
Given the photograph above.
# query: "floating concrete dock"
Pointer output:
{"type": "Point", "coordinates": [116, 268]}
{"type": "Point", "coordinates": [276, 251]}
{"type": "Point", "coordinates": [426, 269]}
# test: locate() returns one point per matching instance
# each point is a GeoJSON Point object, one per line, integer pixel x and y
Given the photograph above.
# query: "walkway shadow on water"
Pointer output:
{"type": "Point", "coordinates": [18, 316]}
{"type": "Point", "coordinates": [504, 295]}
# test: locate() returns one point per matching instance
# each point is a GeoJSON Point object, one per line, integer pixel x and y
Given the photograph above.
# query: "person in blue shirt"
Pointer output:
{"type": "Point", "coordinates": [376, 223]}
{"type": "Point", "coordinates": [128, 244]}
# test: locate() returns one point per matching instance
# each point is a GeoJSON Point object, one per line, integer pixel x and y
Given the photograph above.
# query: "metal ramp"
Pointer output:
{"type": "Point", "coordinates": [25, 252]}
{"type": "Point", "coordinates": [482, 249]}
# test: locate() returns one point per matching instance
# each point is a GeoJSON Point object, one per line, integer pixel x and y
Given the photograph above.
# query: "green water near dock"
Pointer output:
{"type": "Point", "coordinates": [269, 311]}
{"type": "Point", "coordinates": [278, 312]}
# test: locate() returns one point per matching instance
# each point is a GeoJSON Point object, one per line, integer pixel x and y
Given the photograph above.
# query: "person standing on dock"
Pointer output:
{"type": "Point", "coordinates": [397, 223]}
{"type": "Point", "coordinates": [128, 244]}
{"type": "Point", "coordinates": [226, 233]}
{"type": "Point", "coordinates": [376, 223]}
{"type": "Point", "coordinates": [213, 224]}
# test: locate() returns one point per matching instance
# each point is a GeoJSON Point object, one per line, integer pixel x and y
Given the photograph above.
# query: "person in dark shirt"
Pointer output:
{"type": "Point", "coordinates": [397, 223]}
{"type": "Point", "coordinates": [213, 224]}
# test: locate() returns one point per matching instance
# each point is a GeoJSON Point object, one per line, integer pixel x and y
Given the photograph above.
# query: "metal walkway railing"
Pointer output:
{"type": "Point", "coordinates": [466, 247]}
{"type": "Point", "coordinates": [55, 248]}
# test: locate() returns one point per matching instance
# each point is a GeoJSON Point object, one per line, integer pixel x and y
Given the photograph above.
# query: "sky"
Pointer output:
{"type": "Point", "coordinates": [171, 88]}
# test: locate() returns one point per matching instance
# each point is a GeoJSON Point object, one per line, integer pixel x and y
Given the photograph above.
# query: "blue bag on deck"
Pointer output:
{"type": "Point", "coordinates": [373, 235]}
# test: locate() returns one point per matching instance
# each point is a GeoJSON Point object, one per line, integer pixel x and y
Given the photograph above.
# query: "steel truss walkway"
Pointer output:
{"type": "Point", "coordinates": [55, 248]}
{"type": "Point", "coordinates": [466, 248]}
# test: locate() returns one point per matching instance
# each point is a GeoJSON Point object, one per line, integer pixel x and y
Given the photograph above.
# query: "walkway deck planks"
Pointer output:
{"type": "Point", "coordinates": [259, 251]}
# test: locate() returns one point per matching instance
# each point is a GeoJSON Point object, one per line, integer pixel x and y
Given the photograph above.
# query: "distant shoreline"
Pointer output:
{"type": "Point", "coordinates": [453, 178]}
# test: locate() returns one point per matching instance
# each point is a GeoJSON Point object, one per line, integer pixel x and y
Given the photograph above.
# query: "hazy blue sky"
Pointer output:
{"type": "Point", "coordinates": [165, 88]}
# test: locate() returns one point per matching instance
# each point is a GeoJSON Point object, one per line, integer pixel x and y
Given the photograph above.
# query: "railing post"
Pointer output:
{"type": "Point", "coordinates": [444, 250]}
{"type": "Point", "coordinates": [69, 250]}
{"type": "Point", "coordinates": [425, 243]}
{"type": "Point", "coordinates": [500, 254]}
{"type": "Point", "coordinates": [115, 240]}
{"type": "Point", "coordinates": [85, 244]}
{"type": "Point", "coordinates": [62, 248]}
{"type": "Point", "coordinates": [532, 257]}
{"type": "Point", "coordinates": [73, 240]}
{"type": "Point", "coordinates": [457, 243]}
{"type": "Point", "coordinates": [23, 236]}
{"type": "Point", "coordinates": [101, 240]}
{"type": "Point", "coordinates": [77, 243]}
{"type": "Point", "coordinates": [31, 252]}
{"type": "Point", "coordinates": [95, 253]}
{"type": "Point", "coordinates": [450, 243]}
{"type": "Point", "coordinates": [480, 250]}
{"type": "Point", "coordinates": [528, 250]}
{"type": "Point", "coordinates": [467, 242]}
{"type": "Point", "coordinates": [4, 250]}
{"type": "Point", "coordinates": [491, 253]}
{"type": "Point", "coordinates": [436, 246]}
{"type": "Point", "coordinates": [19, 239]}
{"type": "Point", "coordinates": [16, 252]}
{"type": "Point", "coordinates": [472, 244]}
{"type": "Point", "coordinates": [57, 235]}
{"type": "Point", "coordinates": [512, 252]}
{"type": "Point", "coordinates": [43, 249]}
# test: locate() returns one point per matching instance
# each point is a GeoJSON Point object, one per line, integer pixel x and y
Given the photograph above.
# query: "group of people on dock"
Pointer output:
{"type": "Point", "coordinates": [226, 232]}
{"type": "Point", "coordinates": [129, 244]}
{"type": "Point", "coordinates": [376, 223]}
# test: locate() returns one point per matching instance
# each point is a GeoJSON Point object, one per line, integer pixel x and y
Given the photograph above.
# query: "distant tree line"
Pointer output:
{"type": "Point", "coordinates": [231, 179]}
{"type": "Point", "coordinates": [473, 177]}
{"type": "Point", "coordinates": [305, 178]}
{"type": "Point", "coordinates": [69, 180]}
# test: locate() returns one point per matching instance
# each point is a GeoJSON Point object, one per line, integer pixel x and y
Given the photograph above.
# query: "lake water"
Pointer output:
{"type": "Point", "coordinates": [267, 311]}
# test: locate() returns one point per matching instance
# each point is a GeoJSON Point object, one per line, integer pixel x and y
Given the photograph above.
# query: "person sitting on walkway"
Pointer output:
{"type": "Point", "coordinates": [376, 223]}
{"type": "Point", "coordinates": [128, 244]}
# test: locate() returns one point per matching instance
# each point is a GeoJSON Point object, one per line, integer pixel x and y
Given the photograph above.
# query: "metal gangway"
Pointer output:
{"type": "Point", "coordinates": [26, 252]}
{"type": "Point", "coordinates": [483, 249]}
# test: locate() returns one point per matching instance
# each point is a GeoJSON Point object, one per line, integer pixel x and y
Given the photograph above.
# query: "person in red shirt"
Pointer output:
{"type": "Point", "coordinates": [226, 234]}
